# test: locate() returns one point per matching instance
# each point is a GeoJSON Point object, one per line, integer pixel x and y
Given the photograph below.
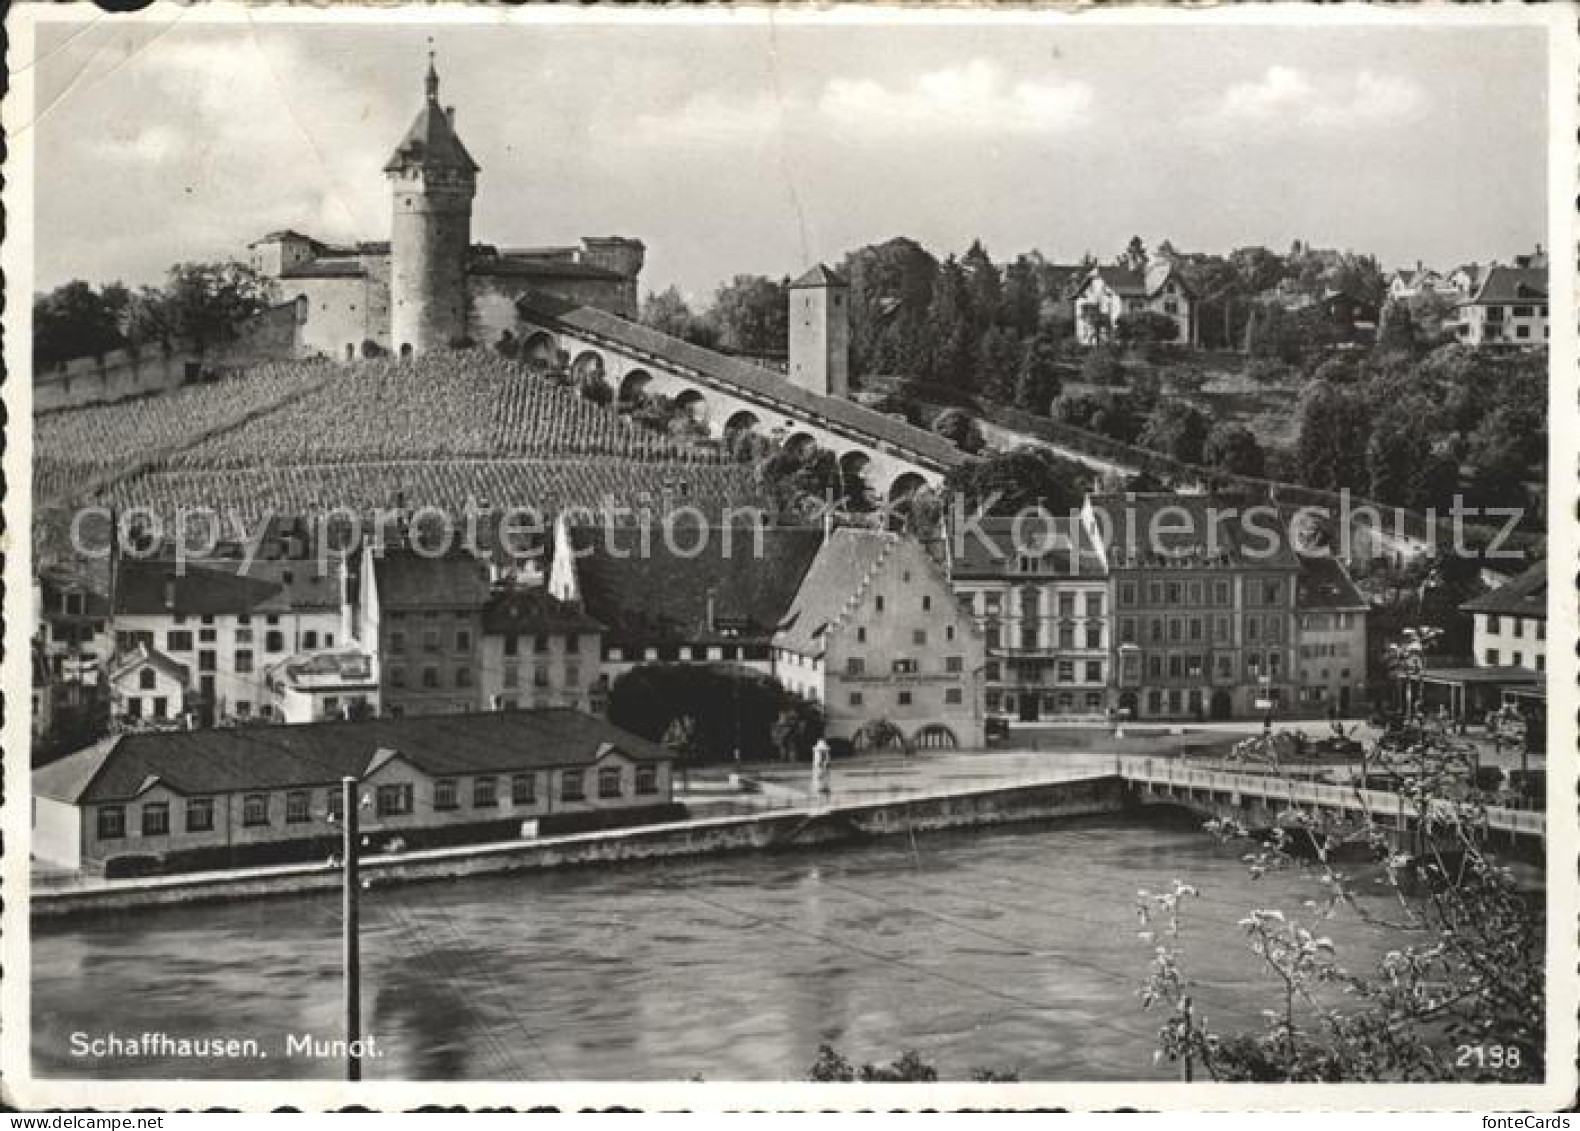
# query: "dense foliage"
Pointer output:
{"type": "Point", "coordinates": [712, 713]}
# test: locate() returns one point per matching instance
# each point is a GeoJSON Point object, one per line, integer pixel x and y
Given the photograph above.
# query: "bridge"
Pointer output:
{"type": "Point", "coordinates": [727, 395]}
{"type": "Point", "coordinates": [1257, 799]}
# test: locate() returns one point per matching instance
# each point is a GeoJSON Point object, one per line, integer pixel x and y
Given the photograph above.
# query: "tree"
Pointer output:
{"type": "Point", "coordinates": [1022, 297]}
{"type": "Point", "coordinates": [205, 302]}
{"type": "Point", "coordinates": [1330, 452]}
{"type": "Point", "coordinates": [951, 333]}
{"type": "Point", "coordinates": [1007, 483]}
{"type": "Point", "coordinates": [797, 728]}
{"type": "Point", "coordinates": [705, 712]}
{"type": "Point", "coordinates": [74, 320]}
{"type": "Point", "coordinates": [752, 315]}
{"type": "Point", "coordinates": [984, 284]}
{"type": "Point", "coordinates": [1134, 255]}
{"type": "Point", "coordinates": [1037, 376]}
{"type": "Point", "coordinates": [891, 287]}
{"type": "Point", "coordinates": [998, 363]}
{"type": "Point", "coordinates": [669, 313]}
{"type": "Point", "coordinates": [680, 739]}
{"type": "Point", "coordinates": [1145, 327]}
{"type": "Point", "coordinates": [1397, 454]}
{"type": "Point", "coordinates": [1234, 448]}
{"type": "Point", "coordinates": [1177, 429]}
{"type": "Point", "coordinates": [1477, 970]}
{"type": "Point", "coordinates": [960, 429]}
{"type": "Point", "coordinates": [1101, 366]}
{"type": "Point", "coordinates": [1396, 334]}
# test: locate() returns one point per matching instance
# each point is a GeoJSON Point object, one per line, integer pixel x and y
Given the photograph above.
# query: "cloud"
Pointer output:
{"type": "Point", "coordinates": [1286, 97]}
{"type": "Point", "coordinates": [709, 119]}
{"type": "Point", "coordinates": [976, 98]}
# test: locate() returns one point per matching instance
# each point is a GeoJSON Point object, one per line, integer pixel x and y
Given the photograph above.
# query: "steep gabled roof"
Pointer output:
{"type": "Point", "coordinates": [660, 594]}
{"type": "Point", "coordinates": [1060, 546]}
{"type": "Point", "coordinates": [819, 276]}
{"type": "Point", "coordinates": [431, 142]}
{"type": "Point", "coordinates": [1523, 596]}
{"type": "Point", "coordinates": [1325, 586]}
{"type": "Point", "coordinates": [525, 612]}
{"type": "Point", "coordinates": [142, 654]}
{"type": "Point", "coordinates": [407, 580]}
{"type": "Point", "coordinates": [1510, 285]}
{"type": "Point", "coordinates": [222, 586]}
{"type": "Point", "coordinates": [238, 759]}
{"type": "Point", "coordinates": [845, 561]}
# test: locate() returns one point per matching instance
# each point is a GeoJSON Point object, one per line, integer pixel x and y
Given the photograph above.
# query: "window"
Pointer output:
{"type": "Point", "coordinates": [927, 604]}
{"type": "Point", "coordinates": [335, 804]}
{"type": "Point", "coordinates": [398, 643]}
{"type": "Point", "coordinates": [430, 640]}
{"type": "Point", "coordinates": [990, 670]}
{"type": "Point", "coordinates": [1518, 624]}
{"type": "Point", "coordinates": [1492, 658]}
{"type": "Point", "coordinates": [161, 706]}
{"type": "Point", "coordinates": [1493, 623]}
{"type": "Point", "coordinates": [952, 696]}
{"type": "Point", "coordinates": [1127, 593]}
{"type": "Point", "coordinates": [244, 636]}
{"type": "Point", "coordinates": [1094, 604]}
{"type": "Point", "coordinates": [1517, 659]}
{"type": "Point", "coordinates": [444, 794]}
{"type": "Point", "coordinates": [1274, 592]}
{"type": "Point", "coordinates": [485, 792]}
{"type": "Point", "coordinates": [1253, 591]}
{"type": "Point", "coordinates": [397, 677]}
{"type": "Point", "coordinates": [1094, 671]}
{"type": "Point", "coordinates": [856, 699]}
{"type": "Point", "coordinates": [573, 644]}
{"type": "Point", "coordinates": [1173, 591]}
{"type": "Point", "coordinates": [904, 698]}
{"type": "Point", "coordinates": [134, 708]}
{"type": "Point", "coordinates": [523, 789]}
{"type": "Point", "coordinates": [878, 602]}
{"type": "Point", "coordinates": [178, 641]}
{"type": "Point", "coordinates": [1155, 630]}
{"type": "Point", "coordinates": [919, 637]}
{"type": "Point", "coordinates": [156, 818]}
{"type": "Point", "coordinates": [1220, 592]}
{"type": "Point", "coordinates": [200, 815]}
{"type": "Point", "coordinates": [393, 800]}
{"type": "Point", "coordinates": [949, 633]}
{"type": "Point", "coordinates": [1541, 630]}
{"type": "Point", "coordinates": [244, 662]}
{"type": "Point", "coordinates": [255, 810]}
{"type": "Point", "coordinates": [206, 662]}
{"type": "Point", "coordinates": [309, 639]}
{"type": "Point", "coordinates": [274, 641]}
{"type": "Point", "coordinates": [511, 644]}
{"type": "Point", "coordinates": [540, 676]}
{"type": "Point", "coordinates": [1154, 592]}
{"type": "Point", "coordinates": [1066, 671]}
{"type": "Point", "coordinates": [609, 782]}
{"type": "Point", "coordinates": [430, 678]}
{"type": "Point", "coordinates": [147, 679]}
{"type": "Point", "coordinates": [954, 664]}
{"type": "Point", "coordinates": [1154, 666]}
{"type": "Point", "coordinates": [463, 640]}
{"type": "Point", "coordinates": [1176, 666]}
{"type": "Point", "coordinates": [463, 677]}
{"type": "Point", "coordinates": [904, 667]}
{"type": "Point", "coordinates": [646, 780]}
{"type": "Point", "coordinates": [571, 786]}
{"type": "Point", "coordinates": [540, 644]}
{"type": "Point", "coordinates": [855, 665]}
{"type": "Point", "coordinates": [272, 618]}
{"type": "Point", "coordinates": [1127, 630]}
{"type": "Point", "coordinates": [112, 822]}
{"type": "Point", "coordinates": [298, 807]}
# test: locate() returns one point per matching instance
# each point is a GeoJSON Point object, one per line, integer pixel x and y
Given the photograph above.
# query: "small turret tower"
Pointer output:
{"type": "Point", "coordinates": [432, 182]}
{"type": "Point", "coordinates": [820, 332]}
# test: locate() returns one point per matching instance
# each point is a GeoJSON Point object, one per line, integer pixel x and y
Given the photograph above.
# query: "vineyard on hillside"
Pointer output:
{"type": "Point", "coordinates": [548, 485]}
{"type": "Point", "coordinates": [444, 406]}
{"type": "Point", "coordinates": [292, 438]}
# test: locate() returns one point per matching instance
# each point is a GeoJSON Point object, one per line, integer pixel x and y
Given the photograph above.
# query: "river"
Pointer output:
{"type": "Point", "coordinates": [1014, 948]}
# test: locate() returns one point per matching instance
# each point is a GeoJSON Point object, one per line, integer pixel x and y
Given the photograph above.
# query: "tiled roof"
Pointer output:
{"type": "Point", "coordinates": [544, 268]}
{"type": "Point", "coordinates": [819, 276]}
{"type": "Point", "coordinates": [1325, 584]}
{"type": "Point", "coordinates": [1167, 531]}
{"type": "Point", "coordinates": [223, 586]}
{"type": "Point", "coordinates": [237, 759]}
{"type": "Point", "coordinates": [836, 575]}
{"type": "Point", "coordinates": [142, 654]}
{"type": "Point", "coordinates": [662, 596]}
{"type": "Point", "coordinates": [750, 379]}
{"type": "Point", "coordinates": [407, 580]}
{"type": "Point", "coordinates": [1060, 545]}
{"type": "Point", "coordinates": [1511, 284]}
{"type": "Point", "coordinates": [431, 142]}
{"type": "Point", "coordinates": [1524, 596]}
{"type": "Point", "coordinates": [524, 612]}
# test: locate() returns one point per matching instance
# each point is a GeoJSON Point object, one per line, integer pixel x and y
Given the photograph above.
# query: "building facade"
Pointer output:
{"type": "Point", "coordinates": [227, 622]}
{"type": "Point", "coordinates": [1509, 308]}
{"type": "Point", "coordinates": [540, 652]}
{"type": "Point", "coordinates": [1204, 608]}
{"type": "Point", "coordinates": [1108, 294]}
{"type": "Point", "coordinates": [1040, 596]}
{"type": "Point", "coordinates": [316, 687]}
{"type": "Point", "coordinates": [194, 799]}
{"type": "Point", "coordinates": [1331, 622]}
{"type": "Point", "coordinates": [819, 359]}
{"type": "Point", "coordinates": [876, 637]}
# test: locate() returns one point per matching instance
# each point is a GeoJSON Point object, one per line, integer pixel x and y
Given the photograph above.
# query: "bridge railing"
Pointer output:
{"type": "Point", "coordinates": [1380, 803]}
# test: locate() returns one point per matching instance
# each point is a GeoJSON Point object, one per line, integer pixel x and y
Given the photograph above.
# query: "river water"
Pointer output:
{"type": "Point", "coordinates": [1014, 948]}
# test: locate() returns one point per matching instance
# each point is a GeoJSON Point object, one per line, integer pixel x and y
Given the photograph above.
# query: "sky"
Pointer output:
{"type": "Point", "coordinates": [763, 147]}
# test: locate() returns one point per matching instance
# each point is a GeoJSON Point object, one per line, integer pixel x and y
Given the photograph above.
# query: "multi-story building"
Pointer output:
{"type": "Point", "coordinates": [1108, 294]}
{"type": "Point", "coordinates": [226, 621]}
{"type": "Point", "coordinates": [1204, 605]}
{"type": "Point", "coordinates": [226, 797]}
{"type": "Point", "coordinates": [422, 616]}
{"type": "Point", "coordinates": [1509, 664]}
{"type": "Point", "coordinates": [72, 650]}
{"type": "Point", "coordinates": [539, 651]}
{"type": "Point", "coordinates": [1509, 308]}
{"type": "Point", "coordinates": [148, 689]}
{"type": "Point", "coordinates": [1331, 622]}
{"type": "Point", "coordinates": [1039, 593]}
{"type": "Point", "coordinates": [876, 637]}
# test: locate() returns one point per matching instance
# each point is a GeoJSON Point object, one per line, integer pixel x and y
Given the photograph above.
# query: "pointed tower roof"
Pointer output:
{"type": "Point", "coordinates": [431, 142]}
{"type": "Point", "coordinates": [820, 276]}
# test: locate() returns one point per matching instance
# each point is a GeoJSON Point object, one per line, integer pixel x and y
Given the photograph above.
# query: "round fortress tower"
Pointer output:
{"type": "Point", "coordinates": [432, 182]}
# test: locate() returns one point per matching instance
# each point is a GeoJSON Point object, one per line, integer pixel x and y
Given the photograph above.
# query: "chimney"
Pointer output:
{"type": "Point", "coordinates": [449, 116]}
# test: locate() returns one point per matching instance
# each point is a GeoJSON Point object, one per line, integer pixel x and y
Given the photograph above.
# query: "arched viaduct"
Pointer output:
{"type": "Point", "coordinates": [726, 395]}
